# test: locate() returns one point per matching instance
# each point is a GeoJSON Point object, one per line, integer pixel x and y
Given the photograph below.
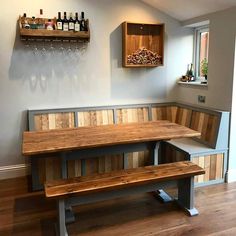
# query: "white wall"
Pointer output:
{"type": "Point", "coordinates": [232, 146]}
{"type": "Point", "coordinates": [221, 62]}
{"type": "Point", "coordinates": [29, 81]}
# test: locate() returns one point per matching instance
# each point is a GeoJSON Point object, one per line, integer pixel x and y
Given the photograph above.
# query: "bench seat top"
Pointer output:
{"type": "Point", "coordinates": [193, 147]}
{"type": "Point", "coordinates": [121, 179]}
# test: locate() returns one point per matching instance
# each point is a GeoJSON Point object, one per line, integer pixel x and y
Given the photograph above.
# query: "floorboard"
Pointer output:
{"type": "Point", "coordinates": [25, 213]}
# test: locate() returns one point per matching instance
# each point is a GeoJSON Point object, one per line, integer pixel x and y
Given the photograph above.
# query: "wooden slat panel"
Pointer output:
{"type": "Point", "coordinates": [201, 164]}
{"type": "Point", "coordinates": [207, 124]}
{"type": "Point", "coordinates": [41, 122]}
{"type": "Point", "coordinates": [213, 165]}
{"type": "Point", "coordinates": [122, 178]}
{"type": "Point", "coordinates": [104, 163]}
{"type": "Point", "coordinates": [170, 154]}
{"type": "Point", "coordinates": [130, 115]}
{"type": "Point", "coordinates": [49, 168]}
{"type": "Point", "coordinates": [54, 121]}
{"type": "Point", "coordinates": [207, 165]}
{"type": "Point", "coordinates": [74, 168]}
{"type": "Point", "coordinates": [183, 116]}
{"type": "Point", "coordinates": [219, 165]}
{"type": "Point", "coordinates": [93, 118]}
{"type": "Point", "coordinates": [92, 166]}
{"type": "Point", "coordinates": [164, 113]}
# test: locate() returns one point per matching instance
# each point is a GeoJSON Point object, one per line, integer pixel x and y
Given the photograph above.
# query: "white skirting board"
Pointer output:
{"type": "Point", "coordinates": [9, 172]}
{"type": "Point", "coordinates": [231, 176]}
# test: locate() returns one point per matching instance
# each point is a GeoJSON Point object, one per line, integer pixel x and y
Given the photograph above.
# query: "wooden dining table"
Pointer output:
{"type": "Point", "coordinates": [88, 142]}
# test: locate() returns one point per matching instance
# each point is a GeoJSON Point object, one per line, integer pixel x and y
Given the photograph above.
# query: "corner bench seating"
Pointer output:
{"type": "Point", "coordinates": [87, 189]}
{"type": "Point", "coordinates": [209, 151]}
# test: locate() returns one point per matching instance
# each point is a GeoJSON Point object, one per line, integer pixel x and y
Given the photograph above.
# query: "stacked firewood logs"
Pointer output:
{"type": "Point", "coordinates": [144, 56]}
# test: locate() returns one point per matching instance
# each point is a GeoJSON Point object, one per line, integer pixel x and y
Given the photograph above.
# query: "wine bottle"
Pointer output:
{"type": "Point", "coordinates": [191, 71]}
{"type": "Point", "coordinates": [33, 24]}
{"type": "Point", "coordinates": [49, 25]}
{"type": "Point", "coordinates": [77, 23]}
{"type": "Point", "coordinates": [24, 22]}
{"type": "Point", "coordinates": [65, 23]}
{"type": "Point", "coordinates": [71, 23]}
{"type": "Point", "coordinates": [82, 23]}
{"type": "Point", "coordinates": [40, 20]}
{"type": "Point", "coordinates": [59, 22]}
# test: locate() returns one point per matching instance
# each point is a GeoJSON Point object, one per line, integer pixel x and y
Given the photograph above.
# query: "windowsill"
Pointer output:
{"type": "Point", "coordinates": [197, 82]}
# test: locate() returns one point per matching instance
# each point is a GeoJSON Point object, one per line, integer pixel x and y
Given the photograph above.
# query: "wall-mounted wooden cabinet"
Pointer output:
{"type": "Point", "coordinates": [42, 34]}
{"type": "Point", "coordinates": [143, 45]}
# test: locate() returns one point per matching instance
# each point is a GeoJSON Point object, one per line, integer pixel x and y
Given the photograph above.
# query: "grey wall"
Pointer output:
{"type": "Point", "coordinates": [221, 73]}
{"type": "Point", "coordinates": [56, 78]}
{"type": "Point", "coordinates": [221, 62]}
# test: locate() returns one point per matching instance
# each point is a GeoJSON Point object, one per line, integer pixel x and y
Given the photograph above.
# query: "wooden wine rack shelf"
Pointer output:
{"type": "Point", "coordinates": [54, 35]}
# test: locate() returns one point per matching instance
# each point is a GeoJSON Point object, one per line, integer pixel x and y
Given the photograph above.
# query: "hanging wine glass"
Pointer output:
{"type": "Point", "coordinates": [43, 49]}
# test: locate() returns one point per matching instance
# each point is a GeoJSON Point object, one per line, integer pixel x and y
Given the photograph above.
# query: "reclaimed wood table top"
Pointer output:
{"type": "Point", "coordinates": [59, 140]}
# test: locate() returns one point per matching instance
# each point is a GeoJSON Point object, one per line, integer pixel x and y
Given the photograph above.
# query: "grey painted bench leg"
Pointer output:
{"type": "Point", "coordinates": [186, 195]}
{"type": "Point", "coordinates": [62, 218]}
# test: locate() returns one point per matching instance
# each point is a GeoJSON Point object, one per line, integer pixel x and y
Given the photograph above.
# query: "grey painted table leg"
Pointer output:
{"type": "Point", "coordinates": [69, 214]}
{"type": "Point", "coordinates": [63, 166]}
{"type": "Point", "coordinates": [83, 167]}
{"type": "Point", "coordinates": [186, 195]}
{"type": "Point", "coordinates": [125, 160]}
{"type": "Point", "coordinates": [61, 218]}
{"type": "Point", "coordinates": [35, 174]}
{"type": "Point", "coordinates": [156, 154]}
{"type": "Point", "coordinates": [161, 194]}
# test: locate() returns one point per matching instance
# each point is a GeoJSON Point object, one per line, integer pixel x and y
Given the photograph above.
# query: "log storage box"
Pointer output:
{"type": "Point", "coordinates": [143, 45]}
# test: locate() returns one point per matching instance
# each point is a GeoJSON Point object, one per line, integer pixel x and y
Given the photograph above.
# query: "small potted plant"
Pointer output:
{"type": "Point", "coordinates": [204, 67]}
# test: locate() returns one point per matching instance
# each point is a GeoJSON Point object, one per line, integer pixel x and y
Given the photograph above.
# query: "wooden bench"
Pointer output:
{"type": "Point", "coordinates": [88, 189]}
{"type": "Point", "coordinates": [209, 151]}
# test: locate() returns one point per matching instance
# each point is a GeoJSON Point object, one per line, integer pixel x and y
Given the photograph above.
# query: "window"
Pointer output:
{"type": "Point", "coordinates": [201, 52]}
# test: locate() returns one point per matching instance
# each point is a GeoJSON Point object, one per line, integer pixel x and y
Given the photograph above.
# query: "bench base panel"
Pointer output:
{"type": "Point", "coordinates": [213, 162]}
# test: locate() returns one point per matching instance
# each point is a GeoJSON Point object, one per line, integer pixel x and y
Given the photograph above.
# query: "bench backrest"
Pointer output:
{"type": "Point", "coordinates": [211, 123]}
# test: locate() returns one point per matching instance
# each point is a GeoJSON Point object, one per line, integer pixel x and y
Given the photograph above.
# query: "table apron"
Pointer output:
{"type": "Point", "coordinates": [109, 150]}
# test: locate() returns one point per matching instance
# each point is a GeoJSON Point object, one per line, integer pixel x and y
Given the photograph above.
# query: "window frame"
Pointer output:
{"type": "Point", "coordinates": [197, 42]}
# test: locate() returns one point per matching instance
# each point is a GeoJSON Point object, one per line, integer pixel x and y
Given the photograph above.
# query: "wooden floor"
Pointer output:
{"type": "Point", "coordinates": [24, 213]}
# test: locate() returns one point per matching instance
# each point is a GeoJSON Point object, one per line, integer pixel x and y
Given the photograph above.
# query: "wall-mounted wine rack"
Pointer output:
{"type": "Point", "coordinates": [53, 35]}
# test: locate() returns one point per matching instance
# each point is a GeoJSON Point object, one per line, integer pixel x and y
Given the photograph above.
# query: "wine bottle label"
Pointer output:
{"type": "Point", "coordinates": [65, 27]}
{"type": "Point", "coordinates": [71, 26]}
{"type": "Point", "coordinates": [59, 25]}
{"type": "Point", "coordinates": [49, 27]}
{"type": "Point", "coordinates": [77, 27]}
